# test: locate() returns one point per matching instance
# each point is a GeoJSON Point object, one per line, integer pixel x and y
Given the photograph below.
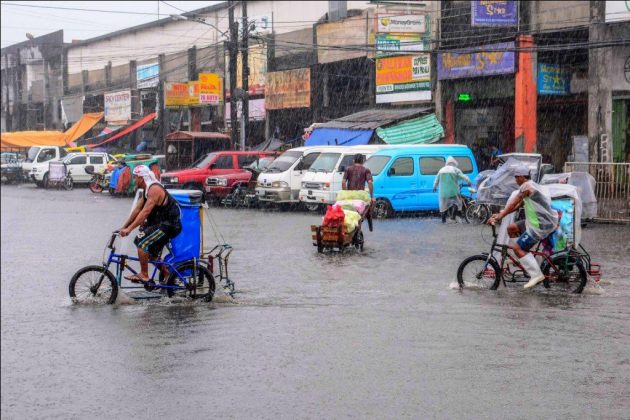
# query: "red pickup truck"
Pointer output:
{"type": "Point", "coordinates": [217, 163]}
{"type": "Point", "coordinates": [220, 186]}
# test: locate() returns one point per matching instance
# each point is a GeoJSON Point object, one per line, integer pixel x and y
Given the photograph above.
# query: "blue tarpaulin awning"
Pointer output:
{"type": "Point", "coordinates": [338, 137]}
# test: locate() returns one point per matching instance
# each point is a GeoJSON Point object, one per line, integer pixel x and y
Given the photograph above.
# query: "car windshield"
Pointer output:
{"type": "Point", "coordinates": [32, 153]}
{"type": "Point", "coordinates": [203, 162]}
{"type": "Point", "coordinates": [284, 162]}
{"type": "Point", "coordinates": [325, 162]}
{"type": "Point", "coordinates": [376, 164]}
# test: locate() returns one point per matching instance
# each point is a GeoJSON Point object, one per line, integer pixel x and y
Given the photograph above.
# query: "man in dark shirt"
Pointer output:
{"type": "Point", "coordinates": [356, 176]}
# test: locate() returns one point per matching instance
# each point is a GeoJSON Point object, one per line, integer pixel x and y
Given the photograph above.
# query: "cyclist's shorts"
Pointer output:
{"type": "Point", "coordinates": [151, 240]}
{"type": "Point", "coordinates": [526, 241]}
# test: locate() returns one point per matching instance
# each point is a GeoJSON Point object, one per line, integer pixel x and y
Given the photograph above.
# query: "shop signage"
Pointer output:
{"type": "Point", "coordinates": [553, 80]}
{"type": "Point", "coordinates": [148, 75]}
{"type": "Point", "coordinates": [176, 94]}
{"type": "Point", "coordinates": [403, 78]}
{"type": "Point", "coordinates": [210, 89]}
{"type": "Point", "coordinates": [401, 23]}
{"type": "Point", "coordinates": [617, 11]}
{"type": "Point", "coordinates": [288, 89]}
{"type": "Point", "coordinates": [464, 97]}
{"type": "Point", "coordinates": [118, 106]}
{"type": "Point", "coordinates": [256, 110]}
{"type": "Point", "coordinates": [495, 59]}
{"type": "Point", "coordinates": [257, 60]}
{"type": "Point", "coordinates": [395, 43]}
{"type": "Point", "coordinates": [493, 13]}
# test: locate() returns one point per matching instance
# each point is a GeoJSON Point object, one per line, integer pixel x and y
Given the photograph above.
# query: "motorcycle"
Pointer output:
{"type": "Point", "coordinates": [99, 180]}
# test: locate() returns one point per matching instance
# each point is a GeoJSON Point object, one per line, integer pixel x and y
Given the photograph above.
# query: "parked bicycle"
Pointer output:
{"type": "Point", "coordinates": [564, 270]}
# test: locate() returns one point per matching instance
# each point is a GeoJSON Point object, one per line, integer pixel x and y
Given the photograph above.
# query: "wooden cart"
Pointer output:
{"type": "Point", "coordinates": [338, 238]}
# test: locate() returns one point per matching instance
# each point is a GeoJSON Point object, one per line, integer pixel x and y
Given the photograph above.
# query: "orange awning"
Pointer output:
{"type": "Point", "coordinates": [128, 130]}
{"type": "Point", "coordinates": [82, 126]}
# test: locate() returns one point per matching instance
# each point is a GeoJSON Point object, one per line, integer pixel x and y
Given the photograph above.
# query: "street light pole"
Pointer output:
{"type": "Point", "coordinates": [232, 48]}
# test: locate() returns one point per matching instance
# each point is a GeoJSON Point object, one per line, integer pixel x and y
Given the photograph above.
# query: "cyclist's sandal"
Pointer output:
{"type": "Point", "coordinates": [135, 278]}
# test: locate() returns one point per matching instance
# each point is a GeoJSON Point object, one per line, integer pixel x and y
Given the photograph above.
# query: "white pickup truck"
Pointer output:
{"type": "Point", "coordinates": [35, 167]}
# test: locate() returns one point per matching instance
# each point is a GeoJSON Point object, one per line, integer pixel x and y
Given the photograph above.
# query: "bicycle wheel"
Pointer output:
{"type": "Point", "coordinates": [68, 183]}
{"type": "Point", "coordinates": [95, 187]}
{"type": "Point", "coordinates": [568, 275]}
{"type": "Point", "coordinates": [476, 214]}
{"type": "Point", "coordinates": [93, 284]}
{"type": "Point", "coordinates": [473, 272]}
{"type": "Point", "coordinates": [202, 288]}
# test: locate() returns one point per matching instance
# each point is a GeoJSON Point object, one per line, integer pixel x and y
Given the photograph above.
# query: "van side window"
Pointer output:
{"type": "Point", "coordinates": [307, 161]}
{"type": "Point", "coordinates": [46, 155]}
{"type": "Point", "coordinates": [464, 164]}
{"type": "Point", "coordinates": [96, 160]}
{"type": "Point", "coordinates": [402, 166]}
{"type": "Point", "coordinates": [246, 160]}
{"type": "Point", "coordinates": [78, 160]}
{"type": "Point", "coordinates": [431, 165]}
{"type": "Point", "coordinates": [346, 161]}
{"type": "Point", "coordinates": [224, 162]}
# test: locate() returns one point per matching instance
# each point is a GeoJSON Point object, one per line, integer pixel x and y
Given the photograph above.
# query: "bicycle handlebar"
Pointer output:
{"type": "Point", "coordinates": [111, 241]}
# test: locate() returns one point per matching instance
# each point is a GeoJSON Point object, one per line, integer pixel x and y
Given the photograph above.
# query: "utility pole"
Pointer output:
{"type": "Point", "coordinates": [245, 73]}
{"type": "Point", "coordinates": [233, 51]}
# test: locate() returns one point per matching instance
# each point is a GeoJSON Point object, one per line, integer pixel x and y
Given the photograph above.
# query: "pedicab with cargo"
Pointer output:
{"type": "Point", "coordinates": [188, 270]}
{"type": "Point", "coordinates": [342, 224]}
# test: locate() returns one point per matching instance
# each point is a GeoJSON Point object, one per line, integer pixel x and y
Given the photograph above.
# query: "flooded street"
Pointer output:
{"type": "Point", "coordinates": [375, 335]}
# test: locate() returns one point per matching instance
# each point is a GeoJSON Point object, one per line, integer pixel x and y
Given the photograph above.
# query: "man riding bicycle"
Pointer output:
{"type": "Point", "coordinates": [158, 215]}
{"type": "Point", "coordinates": [447, 178]}
{"type": "Point", "coordinates": [540, 221]}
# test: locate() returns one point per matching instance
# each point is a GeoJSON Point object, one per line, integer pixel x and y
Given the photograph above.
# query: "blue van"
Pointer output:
{"type": "Point", "coordinates": [404, 176]}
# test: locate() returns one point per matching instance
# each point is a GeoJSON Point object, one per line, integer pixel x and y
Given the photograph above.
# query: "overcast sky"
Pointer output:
{"type": "Point", "coordinates": [18, 20]}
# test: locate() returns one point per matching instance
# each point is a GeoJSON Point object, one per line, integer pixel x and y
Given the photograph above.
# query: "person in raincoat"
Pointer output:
{"type": "Point", "coordinates": [540, 221]}
{"type": "Point", "coordinates": [447, 179]}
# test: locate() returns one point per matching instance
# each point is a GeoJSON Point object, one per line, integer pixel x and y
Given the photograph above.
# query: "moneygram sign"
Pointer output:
{"type": "Point", "coordinates": [402, 24]}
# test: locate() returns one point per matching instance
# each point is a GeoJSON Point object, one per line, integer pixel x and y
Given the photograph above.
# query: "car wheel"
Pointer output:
{"type": "Point", "coordinates": [45, 180]}
{"type": "Point", "coordinates": [382, 209]}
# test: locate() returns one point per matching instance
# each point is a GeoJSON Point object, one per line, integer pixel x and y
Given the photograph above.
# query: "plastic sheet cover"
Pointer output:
{"type": "Point", "coordinates": [496, 189]}
{"type": "Point", "coordinates": [585, 184]}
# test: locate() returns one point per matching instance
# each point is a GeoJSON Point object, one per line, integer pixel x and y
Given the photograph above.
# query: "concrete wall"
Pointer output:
{"type": "Point", "coordinates": [547, 15]}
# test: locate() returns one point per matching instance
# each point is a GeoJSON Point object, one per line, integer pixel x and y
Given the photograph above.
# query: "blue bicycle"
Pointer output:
{"type": "Point", "coordinates": [97, 284]}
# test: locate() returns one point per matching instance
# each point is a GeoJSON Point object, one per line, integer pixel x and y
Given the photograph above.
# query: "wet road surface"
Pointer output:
{"type": "Point", "coordinates": [375, 335]}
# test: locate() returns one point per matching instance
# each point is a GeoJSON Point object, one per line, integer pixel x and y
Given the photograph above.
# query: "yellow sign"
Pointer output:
{"type": "Point", "coordinates": [210, 89]}
{"type": "Point", "coordinates": [176, 94]}
{"type": "Point", "coordinates": [193, 93]}
{"type": "Point", "coordinates": [288, 89]}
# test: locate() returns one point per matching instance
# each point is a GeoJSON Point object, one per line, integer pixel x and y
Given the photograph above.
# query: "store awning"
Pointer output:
{"type": "Point", "coordinates": [338, 137]}
{"type": "Point", "coordinates": [24, 139]}
{"type": "Point", "coordinates": [416, 131]}
{"type": "Point", "coordinates": [85, 123]}
{"type": "Point", "coordinates": [128, 130]}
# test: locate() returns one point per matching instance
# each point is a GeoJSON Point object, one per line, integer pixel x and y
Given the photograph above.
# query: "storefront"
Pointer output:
{"type": "Point", "coordinates": [478, 90]}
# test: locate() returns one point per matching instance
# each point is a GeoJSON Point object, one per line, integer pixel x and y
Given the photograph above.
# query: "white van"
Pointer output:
{"type": "Point", "coordinates": [282, 180]}
{"type": "Point", "coordinates": [323, 179]}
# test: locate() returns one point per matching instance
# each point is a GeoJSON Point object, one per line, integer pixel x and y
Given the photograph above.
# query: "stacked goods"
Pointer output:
{"type": "Point", "coordinates": [348, 210]}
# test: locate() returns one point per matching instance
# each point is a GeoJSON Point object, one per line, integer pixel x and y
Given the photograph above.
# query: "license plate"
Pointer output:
{"type": "Point", "coordinates": [310, 198]}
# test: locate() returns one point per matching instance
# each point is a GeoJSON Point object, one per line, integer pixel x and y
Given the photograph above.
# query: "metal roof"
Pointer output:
{"type": "Point", "coordinates": [196, 135]}
{"type": "Point", "coordinates": [371, 119]}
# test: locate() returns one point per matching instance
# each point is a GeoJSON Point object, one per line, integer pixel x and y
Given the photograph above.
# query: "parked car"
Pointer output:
{"type": "Point", "coordinates": [35, 166]}
{"type": "Point", "coordinates": [323, 179]}
{"type": "Point", "coordinates": [212, 164]}
{"type": "Point", "coordinates": [220, 186]}
{"type": "Point", "coordinates": [403, 177]}
{"type": "Point", "coordinates": [77, 162]}
{"type": "Point", "coordinates": [282, 180]}
{"type": "Point", "coordinates": [11, 167]}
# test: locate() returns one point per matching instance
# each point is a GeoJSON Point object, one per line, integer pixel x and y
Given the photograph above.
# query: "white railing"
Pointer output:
{"type": "Point", "coordinates": [612, 188]}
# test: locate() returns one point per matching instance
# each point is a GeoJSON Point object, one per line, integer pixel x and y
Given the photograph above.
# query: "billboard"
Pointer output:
{"type": "Point", "coordinates": [210, 89]}
{"type": "Point", "coordinates": [401, 23]}
{"type": "Point", "coordinates": [403, 78]}
{"type": "Point", "coordinates": [148, 75]}
{"type": "Point", "coordinates": [397, 43]}
{"type": "Point", "coordinates": [176, 94]}
{"type": "Point", "coordinates": [553, 80]}
{"type": "Point", "coordinates": [485, 61]}
{"type": "Point", "coordinates": [288, 89]}
{"type": "Point", "coordinates": [493, 13]}
{"type": "Point", "coordinates": [118, 106]}
{"type": "Point", "coordinates": [617, 11]}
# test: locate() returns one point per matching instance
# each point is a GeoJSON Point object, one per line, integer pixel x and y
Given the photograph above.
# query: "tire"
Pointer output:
{"type": "Point", "coordinates": [477, 214]}
{"type": "Point", "coordinates": [382, 209]}
{"type": "Point", "coordinates": [359, 240]}
{"type": "Point", "coordinates": [570, 275]}
{"type": "Point", "coordinates": [313, 207]}
{"type": "Point", "coordinates": [68, 183]}
{"type": "Point", "coordinates": [204, 287]}
{"type": "Point", "coordinates": [469, 273]}
{"type": "Point", "coordinates": [45, 181]}
{"type": "Point", "coordinates": [85, 279]}
{"type": "Point", "coordinates": [95, 188]}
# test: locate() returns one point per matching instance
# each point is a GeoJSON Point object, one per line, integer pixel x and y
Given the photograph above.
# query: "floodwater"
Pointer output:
{"type": "Point", "coordinates": [374, 335]}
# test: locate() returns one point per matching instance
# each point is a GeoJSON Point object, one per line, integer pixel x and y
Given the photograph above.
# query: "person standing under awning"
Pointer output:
{"type": "Point", "coordinates": [447, 178]}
